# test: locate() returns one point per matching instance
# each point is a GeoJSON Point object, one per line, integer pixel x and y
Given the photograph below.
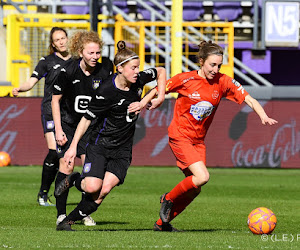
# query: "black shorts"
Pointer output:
{"type": "Point", "coordinates": [99, 160]}
{"type": "Point", "coordinates": [61, 150]}
{"type": "Point", "coordinates": [47, 123]}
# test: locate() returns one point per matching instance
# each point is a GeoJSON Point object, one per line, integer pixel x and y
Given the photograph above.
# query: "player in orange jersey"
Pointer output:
{"type": "Point", "coordinates": [199, 94]}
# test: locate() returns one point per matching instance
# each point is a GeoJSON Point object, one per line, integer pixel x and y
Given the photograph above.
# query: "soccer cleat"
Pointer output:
{"type": "Point", "coordinates": [88, 221]}
{"type": "Point", "coordinates": [165, 209]}
{"type": "Point", "coordinates": [165, 227]}
{"type": "Point", "coordinates": [64, 185]}
{"type": "Point", "coordinates": [60, 219]}
{"type": "Point", "coordinates": [44, 200]}
{"type": "Point", "coordinates": [65, 226]}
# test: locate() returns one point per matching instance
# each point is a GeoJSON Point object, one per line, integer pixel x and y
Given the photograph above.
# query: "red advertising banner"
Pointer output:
{"type": "Point", "coordinates": [236, 137]}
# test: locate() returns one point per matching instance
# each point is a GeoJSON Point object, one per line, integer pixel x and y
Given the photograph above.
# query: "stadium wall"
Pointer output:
{"type": "Point", "coordinates": [235, 139]}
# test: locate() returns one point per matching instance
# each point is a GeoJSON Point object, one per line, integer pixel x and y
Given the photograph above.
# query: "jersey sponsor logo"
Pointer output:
{"type": "Point", "coordinates": [130, 117]}
{"type": "Point", "coordinates": [121, 102]}
{"type": "Point", "coordinates": [195, 95]}
{"type": "Point", "coordinates": [81, 103]}
{"type": "Point", "coordinates": [149, 72]}
{"type": "Point", "coordinates": [90, 113]}
{"type": "Point", "coordinates": [87, 167]}
{"type": "Point", "coordinates": [240, 87]}
{"type": "Point", "coordinates": [215, 94]}
{"type": "Point", "coordinates": [100, 97]}
{"type": "Point", "coordinates": [56, 66]}
{"type": "Point", "coordinates": [63, 70]}
{"type": "Point", "coordinates": [35, 73]}
{"type": "Point", "coordinates": [57, 87]}
{"type": "Point", "coordinates": [96, 83]}
{"type": "Point", "coordinates": [201, 110]}
{"type": "Point", "coordinates": [50, 124]}
{"type": "Point", "coordinates": [75, 81]}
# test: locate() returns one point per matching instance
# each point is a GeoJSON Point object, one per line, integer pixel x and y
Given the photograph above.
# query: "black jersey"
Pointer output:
{"type": "Point", "coordinates": [77, 89]}
{"type": "Point", "coordinates": [115, 127]}
{"type": "Point", "coordinates": [48, 67]}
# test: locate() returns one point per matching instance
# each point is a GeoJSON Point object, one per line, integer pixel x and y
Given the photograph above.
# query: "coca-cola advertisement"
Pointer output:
{"type": "Point", "coordinates": [236, 137]}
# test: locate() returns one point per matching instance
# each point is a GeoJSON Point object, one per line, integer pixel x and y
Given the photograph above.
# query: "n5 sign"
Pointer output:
{"type": "Point", "coordinates": [282, 24]}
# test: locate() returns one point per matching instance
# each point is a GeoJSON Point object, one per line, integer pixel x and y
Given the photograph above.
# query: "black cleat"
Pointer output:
{"type": "Point", "coordinates": [65, 184]}
{"type": "Point", "coordinates": [43, 200]}
{"type": "Point", "coordinates": [65, 226]}
{"type": "Point", "coordinates": [165, 209]}
{"type": "Point", "coordinates": [166, 227]}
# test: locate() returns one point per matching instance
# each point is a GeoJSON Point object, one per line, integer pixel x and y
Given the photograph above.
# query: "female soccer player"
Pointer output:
{"type": "Point", "coordinates": [109, 152]}
{"type": "Point", "coordinates": [72, 92]}
{"type": "Point", "coordinates": [48, 67]}
{"type": "Point", "coordinates": [200, 93]}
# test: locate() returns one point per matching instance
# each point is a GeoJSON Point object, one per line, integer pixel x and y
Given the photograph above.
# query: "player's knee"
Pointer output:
{"type": "Point", "coordinates": [91, 188]}
{"type": "Point", "coordinates": [201, 179]}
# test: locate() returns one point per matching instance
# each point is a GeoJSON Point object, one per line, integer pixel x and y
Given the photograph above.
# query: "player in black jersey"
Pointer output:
{"type": "Point", "coordinates": [48, 67]}
{"type": "Point", "coordinates": [109, 152]}
{"type": "Point", "coordinates": [72, 92]}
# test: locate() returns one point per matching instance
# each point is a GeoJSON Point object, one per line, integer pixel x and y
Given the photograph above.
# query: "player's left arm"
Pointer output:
{"type": "Point", "coordinates": [254, 104]}
{"type": "Point", "coordinates": [161, 88]}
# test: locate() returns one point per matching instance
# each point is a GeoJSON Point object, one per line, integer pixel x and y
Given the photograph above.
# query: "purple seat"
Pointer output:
{"type": "Point", "coordinates": [146, 13]}
{"type": "Point", "coordinates": [121, 5]}
{"type": "Point", "coordinates": [228, 11]}
{"type": "Point", "coordinates": [79, 10]}
{"type": "Point", "coordinates": [192, 10]}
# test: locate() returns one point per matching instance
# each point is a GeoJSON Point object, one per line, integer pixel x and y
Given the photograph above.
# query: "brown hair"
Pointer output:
{"type": "Point", "coordinates": [208, 48]}
{"type": "Point", "coordinates": [81, 38]}
{"type": "Point", "coordinates": [123, 53]}
{"type": "Point", "coordinates": [54, 29]}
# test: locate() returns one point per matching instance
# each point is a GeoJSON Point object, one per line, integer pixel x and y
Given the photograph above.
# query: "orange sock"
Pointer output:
{"type": "Point", "coordinates": [182, 202]}
{"type": "Point", "coordinates": [182, 187]}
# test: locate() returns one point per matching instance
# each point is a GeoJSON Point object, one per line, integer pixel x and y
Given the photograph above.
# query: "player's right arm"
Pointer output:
{"type": "Point", "coordinates": [80, 131]}
{"type": "Point", "coordinates": [60, 136]}
{"type": "Point", "coordinates": [28, 85]}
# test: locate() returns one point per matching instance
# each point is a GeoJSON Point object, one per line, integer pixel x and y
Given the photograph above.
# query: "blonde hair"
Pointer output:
{"type": "Point", "coordinates": [123, 55]}
{"type": "Point", "coordinates": [80, 39]}
{"type": "Point", "coordinates": [208, 48]}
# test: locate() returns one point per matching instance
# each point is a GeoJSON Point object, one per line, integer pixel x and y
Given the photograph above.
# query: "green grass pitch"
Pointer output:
{"type": "Point", "coordinates": [217, 219]}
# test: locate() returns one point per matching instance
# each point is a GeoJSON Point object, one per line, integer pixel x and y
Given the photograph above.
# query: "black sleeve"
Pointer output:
{"type": "Point", "coordinates": [60, 82]}
{"type": "Point", "coordinates": [108, 65]}
{"type": "Point", "coordinates": [147, 76]}
{"type": "Point", "coordinates": [40, 70]}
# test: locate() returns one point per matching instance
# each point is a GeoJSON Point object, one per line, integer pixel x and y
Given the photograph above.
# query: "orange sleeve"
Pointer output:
{"type": "Point", "coordinates": [233, 90]}
{"type": "Point", "coordinates": [173, 84]}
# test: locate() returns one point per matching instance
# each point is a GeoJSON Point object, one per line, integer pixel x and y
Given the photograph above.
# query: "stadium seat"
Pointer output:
{"type": "Point", "coordinates": [228, 11]}
{"type": "Point", "coordinates": [192, 10]}
{"type": "Point", "coordinates": [79, 10]}
{"type": "Point", "coordinates": [121, 5]}
{"type": "Point", "coordinates": [146, 14]}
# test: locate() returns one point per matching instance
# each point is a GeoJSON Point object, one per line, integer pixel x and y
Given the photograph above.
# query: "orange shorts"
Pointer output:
{"type": "Point", "coordinates": [187, 153]}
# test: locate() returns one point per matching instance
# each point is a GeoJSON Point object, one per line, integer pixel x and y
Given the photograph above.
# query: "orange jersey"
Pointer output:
{"type": "Point", "coordinates": [198, 101]}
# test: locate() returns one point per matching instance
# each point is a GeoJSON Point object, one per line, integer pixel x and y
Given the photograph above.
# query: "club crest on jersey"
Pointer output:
{"type": "Point", "coordinates": [215, 94]}
{"type": "Point", "coordinates": [96, 83]}
{"type": "Point", "coordinates": [201, 110]}
{"type": "Point", "coordinates": [87, 167]}
{"type": "Point", "coordinates": [58, 149]}
{"type": "Point", "coordinates": [50, 124]}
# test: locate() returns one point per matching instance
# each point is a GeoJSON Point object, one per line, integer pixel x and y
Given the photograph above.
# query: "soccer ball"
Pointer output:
{"type": "Point", "coordinates": [4, 159]}
{"type": "Point", "coordinates": [262, 221]}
